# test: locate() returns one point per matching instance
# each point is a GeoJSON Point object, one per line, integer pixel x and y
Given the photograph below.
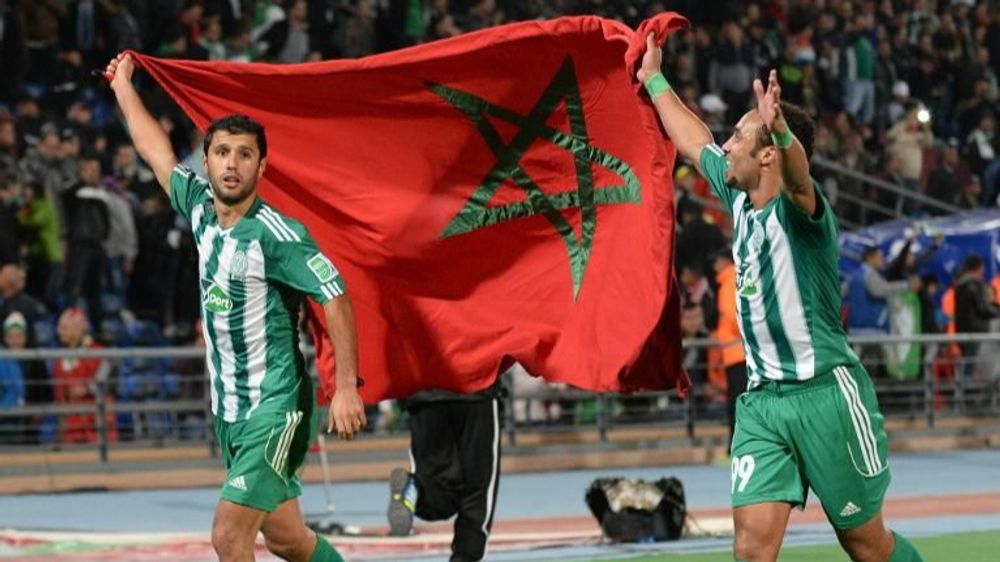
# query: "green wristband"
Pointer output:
{"type": "Point", "coordinates": [783, 140]}
{"type": "Point", "coordinates": [656, 85]}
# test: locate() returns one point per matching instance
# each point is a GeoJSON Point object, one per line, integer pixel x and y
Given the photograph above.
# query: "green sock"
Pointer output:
{"type": "Point", "coordinates": [904, 551]}
{"type": "Point", "coordinates": [325, 552]}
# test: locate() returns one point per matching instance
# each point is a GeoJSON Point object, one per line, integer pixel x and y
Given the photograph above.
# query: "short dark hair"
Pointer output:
{"type": "Point", "coordinates": [800, 123]}
{"type": "Point", "coordinates": [972, 263]}
{"type": "Point", "coordinates": [237, 124]}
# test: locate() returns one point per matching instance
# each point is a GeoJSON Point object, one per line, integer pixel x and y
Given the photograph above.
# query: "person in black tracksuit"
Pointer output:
{"type": "Point", "coordinates": [88, 224]}
{"type": "Point", "coordinates": [455, 467]}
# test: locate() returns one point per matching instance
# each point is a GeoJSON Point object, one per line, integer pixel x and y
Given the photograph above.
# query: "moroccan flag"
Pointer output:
{"type": "Point", "coordinates": [505, 194]}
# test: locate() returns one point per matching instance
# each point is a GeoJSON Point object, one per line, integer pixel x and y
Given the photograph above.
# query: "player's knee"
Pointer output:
{"type": "Point", "coordinates": [288, 548]}
{"type": "Point", "coordinates": [868, 549]}
{"type": "Point", "coordinates": [753, 547]}
{"type": "Point", "coordinates": [229, 543]}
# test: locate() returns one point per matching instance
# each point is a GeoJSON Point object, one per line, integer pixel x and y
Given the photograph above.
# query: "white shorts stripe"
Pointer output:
{"type": "Point", "coordinates": [326, 291]}
{"type": "Point", "coordinates": [852, 408]}
{"type": "Point", "coordinates": [296, 419]}
{"type": "Point", "coordinates": [282, 443]}
{"type": "Point", "coordinates": [866, 422]}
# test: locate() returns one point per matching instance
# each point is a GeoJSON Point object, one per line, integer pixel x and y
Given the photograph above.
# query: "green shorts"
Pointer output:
{"type": "Point", "coordinates": [826, 433]}
{"type": "Point", "coordinates": [262, 456]}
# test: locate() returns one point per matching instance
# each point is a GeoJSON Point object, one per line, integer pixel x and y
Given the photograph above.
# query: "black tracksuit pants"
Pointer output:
{"type": "Point", "coordinates": [455, 452]}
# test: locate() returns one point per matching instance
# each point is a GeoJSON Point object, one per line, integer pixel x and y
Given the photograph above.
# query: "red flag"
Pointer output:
{"type": "Point", "coordinates": [505, 193]}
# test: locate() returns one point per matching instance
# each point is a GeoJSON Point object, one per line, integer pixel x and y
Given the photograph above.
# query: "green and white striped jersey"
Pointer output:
{"type": "Point", "coordinates": [787, 282]}
{"type": "Point", "coordinates": [253, 277]}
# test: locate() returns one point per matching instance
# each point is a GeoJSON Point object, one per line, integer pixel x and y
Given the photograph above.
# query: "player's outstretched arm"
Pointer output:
{"type": "Point", "coordinates": [794, 162]}
{"type": "Point", "coordinates": [151, 141]}
{"type": "Point", "coordinates": [688, 133]}
{"type": "Point", "coordinates": [347, 411]}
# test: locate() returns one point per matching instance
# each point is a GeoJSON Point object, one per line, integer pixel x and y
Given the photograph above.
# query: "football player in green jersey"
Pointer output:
{"type": "Point", "coordinates": [255, 267]}
{"type": "Point", "coordinates": [810, 418]}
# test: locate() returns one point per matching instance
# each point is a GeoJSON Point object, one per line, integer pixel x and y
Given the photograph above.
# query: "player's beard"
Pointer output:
{"type": "Point", "coordinates": [232, 199]}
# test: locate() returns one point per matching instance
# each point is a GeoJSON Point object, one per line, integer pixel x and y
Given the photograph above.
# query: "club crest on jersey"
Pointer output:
{"type": "Point", "coordinates": [238, 267]}
{"type": "Point", "coordinates": [756, 239]}
{"type": "Point", "coordinates": [745, 283]}
{"type": "Point", "coordinates": [322, 268]}
{"type": "Point", "coordinates": [216, 300]}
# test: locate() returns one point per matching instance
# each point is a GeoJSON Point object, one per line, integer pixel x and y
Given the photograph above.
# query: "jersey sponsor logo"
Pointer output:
{"type": "Point", "coordinates": [240, 483]}
{"type": "Point", "coordinates": [321, 268]}
{"type": "Point", "coordinates": [849, 510]}
{"type": "Point", "coordinates": [238, 267]}
{"type": "Point", "coordinates": [217, 301]}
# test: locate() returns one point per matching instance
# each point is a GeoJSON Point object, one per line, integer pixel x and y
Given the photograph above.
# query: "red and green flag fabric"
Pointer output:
{"type": "Point", "coordinates": [502, 195]}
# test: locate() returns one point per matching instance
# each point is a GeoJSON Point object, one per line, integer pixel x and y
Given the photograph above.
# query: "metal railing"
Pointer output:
{"type": "Point", "coordinates": [954, 375]}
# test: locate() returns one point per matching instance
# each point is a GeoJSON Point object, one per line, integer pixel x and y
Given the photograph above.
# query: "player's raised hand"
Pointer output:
{"type": "Point", "coordinates": [652, 59]}
{"type": "Point", "coordinates": [119, 70]}
{"type": "Point", "coordinates": [769, 100]}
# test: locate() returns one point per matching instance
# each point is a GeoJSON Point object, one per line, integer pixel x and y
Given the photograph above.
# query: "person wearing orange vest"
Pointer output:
{"type": "Point", "coordinates": [728, 330]}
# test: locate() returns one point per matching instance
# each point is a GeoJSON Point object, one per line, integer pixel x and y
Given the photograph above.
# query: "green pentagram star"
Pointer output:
{"type": "Point", "coordinates": [476, 214]}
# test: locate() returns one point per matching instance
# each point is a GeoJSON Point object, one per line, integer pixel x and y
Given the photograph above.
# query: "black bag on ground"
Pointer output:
{"type": "Point", "coordinates": [638, 511]}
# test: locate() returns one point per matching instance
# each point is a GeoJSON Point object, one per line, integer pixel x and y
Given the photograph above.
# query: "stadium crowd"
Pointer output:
{"type": "Point", "coordinates": [904, 90]}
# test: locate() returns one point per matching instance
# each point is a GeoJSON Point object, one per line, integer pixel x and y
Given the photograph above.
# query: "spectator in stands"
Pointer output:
{"type": "Point", "coordinates": [41, 18]}
{"type": "Point", "coordinates": [731, 71]}
{"type": "Point", "coordinates": [14, 299]}
{"type": "Point", "coordinates": [44, 165]}
{"type": "Point", "coordinates": [76, 380]}
{"type": "Point", "coordinates": [695, 358]}
{"type": "Point", "coordinates": [359, 32]}
{"type": "Point", "coordinates": [13, 51]}
{"type": "Point", "coordinates": [44, 258]}
{"type": "Point", "coordinates": [11, 378]}
{"type": "Point", "coordinates": [88, 224]}
{"type": "Point", "coordinates": [12, 392]}
{"type": "Point", "coordinates": [868, 294]}
{"type": "Point", "coordinates": [982, 148]}
{"type": "Point", "coordinates": [210, 45]}
{"type": "Point", "coordinates": [37, 383]}
{"type": "Point", "coordinates": [10, 233]}
{"type": "Point", "coordinates": [971, 109]}
{"type": "Point", "coordinates": [907, 139]}
{"type": "Point", "coordinates": [900, 101]}
{"type": "Point", "coordinates": [859, 96]}
{"type": "Point", "coordinates": [728, 330]}
{"type": "Point", "coordinates": [972, 192]}
{"type": "Point", "coordinates": [943, 183]}
{"type": "Point", "coordinates": [696, 237]}
{"type": "Point", "coordinates": [696, 289]}
{"type": "Point", "coordinates": [886, 79]}
{"type": "Point", "coordinates": [8, 144]}
{"type": "Point", "coordinates": [973, 308]}
{"type": "Point", "coordinates": [288, 39]}
{"type": "Point", "coordinates": [122, 244]}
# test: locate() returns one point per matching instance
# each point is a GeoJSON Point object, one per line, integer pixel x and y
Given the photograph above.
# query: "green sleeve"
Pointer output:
{"type": "Point", "coordinates": [187, 190]}
{"type": "Point", "coordinates": [714, 167]}
{"type": "Point", "coordinates": [298, 263]}
{"type": "Point", "coordinates": [820, 226]}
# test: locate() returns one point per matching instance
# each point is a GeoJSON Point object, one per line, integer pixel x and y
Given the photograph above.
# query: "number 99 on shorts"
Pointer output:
{"type": "Point", "coordinates": [742, 470]}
